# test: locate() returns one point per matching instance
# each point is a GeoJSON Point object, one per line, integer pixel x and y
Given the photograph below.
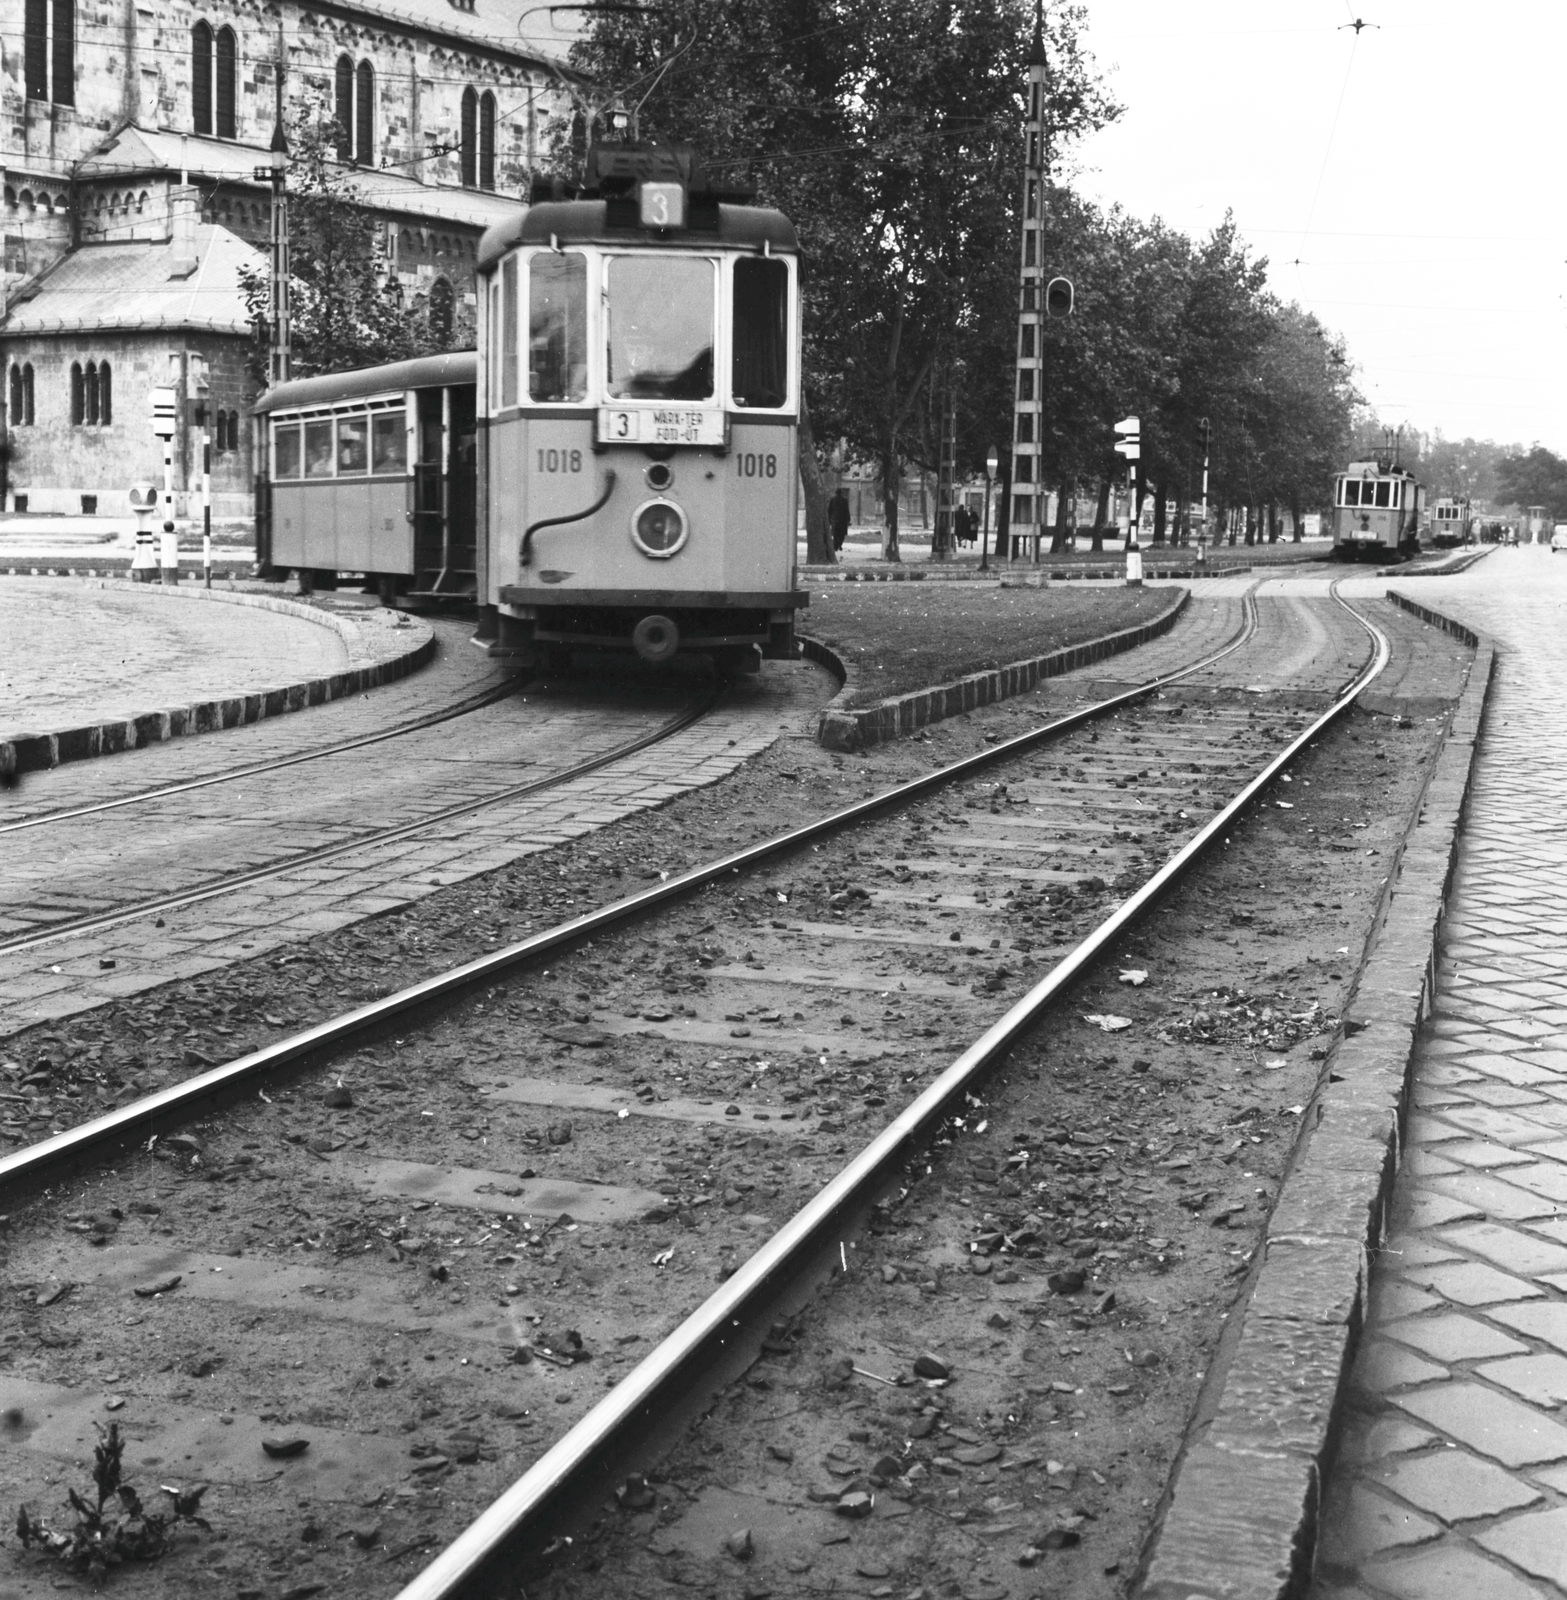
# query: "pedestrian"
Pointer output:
{"type": "Point", "coordinates": [838, 517]}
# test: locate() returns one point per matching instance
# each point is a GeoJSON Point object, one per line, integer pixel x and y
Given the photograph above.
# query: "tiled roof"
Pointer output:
{"type": "Point", "coordinates": [525, 26]}
{"type": "Point", "coordinates": [138, 150]}
{"type": "Point", "coordinates": [127, 287]}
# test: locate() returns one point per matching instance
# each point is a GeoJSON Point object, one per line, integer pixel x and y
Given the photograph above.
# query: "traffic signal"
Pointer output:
{"type": "Point", "coordinates": [1058, 297]}
{"type": "Point", "coordinates": [1129, 438]}
{"type": "Point", "coordinates": [1204, 436]}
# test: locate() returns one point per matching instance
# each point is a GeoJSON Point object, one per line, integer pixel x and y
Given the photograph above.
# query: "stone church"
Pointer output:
{"type": "Point", "coordinates": [131, 202]}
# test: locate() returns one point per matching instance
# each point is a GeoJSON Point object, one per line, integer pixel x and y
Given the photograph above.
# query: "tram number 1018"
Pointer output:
{"type": "Point", "coordinates": [748, 464]}
{"type": "Point", "coordinates": [560, 461]}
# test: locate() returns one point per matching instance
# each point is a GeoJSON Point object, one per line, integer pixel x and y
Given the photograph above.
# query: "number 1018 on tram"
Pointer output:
{"type": "Point", "coordinates": [638, 394]}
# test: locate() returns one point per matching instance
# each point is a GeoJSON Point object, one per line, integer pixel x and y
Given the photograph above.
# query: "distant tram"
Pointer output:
{"type": "Point", "coordinates": [1449, 522]}
{"type": "Point", "coordinates": [1376, 512]}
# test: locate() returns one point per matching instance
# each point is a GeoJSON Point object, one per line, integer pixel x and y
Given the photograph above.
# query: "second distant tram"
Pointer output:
{"type": "Point", "coordinates": [1376, 512]}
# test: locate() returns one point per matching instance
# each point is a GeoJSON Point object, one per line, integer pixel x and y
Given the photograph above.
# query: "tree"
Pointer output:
{"type": "Point", "coordinates": [1536, 477]}
{"type": "Point", "coordinates": [347, 307]}
{"type": "Point", "coordinates": [888, 131]}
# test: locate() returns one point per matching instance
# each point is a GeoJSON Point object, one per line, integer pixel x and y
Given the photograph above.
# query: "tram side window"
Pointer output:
{"type": "Point", "coordinates": [318, 449]}
{"type": "Point", "coordinates": [352, 452]}
{"type": "Point", "coordinates": [285, 447]}
{"type": "Point", "coordinates": [507, 332]}
{"type": "Point", "coordinates": [557, 326]}
{"type": "Point", "coordinates": [660, 344]}
{"type": "Point", "coordinates": [760, 373]}
{"type": "Point", "coordinates": [388, 442]}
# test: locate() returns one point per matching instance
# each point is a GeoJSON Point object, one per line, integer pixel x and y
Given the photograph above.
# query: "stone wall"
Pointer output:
{"type": "Point", "coordinates": [55, 463]}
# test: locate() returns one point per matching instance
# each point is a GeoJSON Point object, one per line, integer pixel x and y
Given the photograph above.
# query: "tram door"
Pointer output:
{"type": "Point", "coordinates": [429, 490]}
{"type": "Point", "coordinates": [445, 492]}
{"type": "Point", "coordinates": [462, 492]}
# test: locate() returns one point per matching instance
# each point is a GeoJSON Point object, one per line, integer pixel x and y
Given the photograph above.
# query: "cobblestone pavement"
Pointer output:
{"type": "Point", "coordinates": [75, 653]}
{"type": "Point", "coordinates": [1451, 1481]}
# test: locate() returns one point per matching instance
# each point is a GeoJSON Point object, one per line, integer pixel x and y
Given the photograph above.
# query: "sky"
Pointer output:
{"type": "Point", "coordinates": [1404, 183]}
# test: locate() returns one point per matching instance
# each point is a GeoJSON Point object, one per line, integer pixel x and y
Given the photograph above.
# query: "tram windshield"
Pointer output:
{"type": "Point", "coordinates": [1378, 492]}
{"type": "Point", "coordinates": [760, 376]}
{"type": "Point", "coordinates": [660, 334]}
{"type": "Point", "coordinates": [557, 326]}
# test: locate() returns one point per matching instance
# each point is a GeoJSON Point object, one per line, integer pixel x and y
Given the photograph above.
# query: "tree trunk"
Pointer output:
{"type": "Point", "coordinates": [1101, 517]}
{"type": "Point", "coordinates": [1161, 512]}
{"type": "Point", "coordinates": [813, 485]}
{"type": "Point", "coordinates": [1058, 534]}
{"type": "Point", "coordinates": [889, 506]}
{"type": "Point", "coordinates": [1295, 517]}
{"type": "Point", "coordinates": [1273, 522]}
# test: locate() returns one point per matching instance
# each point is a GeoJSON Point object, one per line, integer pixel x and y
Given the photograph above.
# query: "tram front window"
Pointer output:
{"type": "Point", "coordinates": [558, 327]}
{"type": "Point", "coordinates": [660, 344]}
{"type": "Point", "coordinates": [760, 375]}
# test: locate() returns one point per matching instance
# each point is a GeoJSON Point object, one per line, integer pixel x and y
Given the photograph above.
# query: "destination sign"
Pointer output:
{"type": "Point", "coordinates": [661, 425]}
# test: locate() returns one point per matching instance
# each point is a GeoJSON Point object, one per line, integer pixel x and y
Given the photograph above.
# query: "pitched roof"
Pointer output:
{"type": "Point", "coordinates": [126, 287]}
{"type": "Point", "coordinates": [522, 26]}
{"type": "Point", "coordinates": [139, 150]}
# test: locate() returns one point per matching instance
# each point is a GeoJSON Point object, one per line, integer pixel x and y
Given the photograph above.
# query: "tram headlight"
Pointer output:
{"type": "Point", "coordinates": [659, 528]}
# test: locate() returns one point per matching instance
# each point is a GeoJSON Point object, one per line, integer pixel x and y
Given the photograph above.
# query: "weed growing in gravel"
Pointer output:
{"type": "Point", "coordinates": [118, 1528]}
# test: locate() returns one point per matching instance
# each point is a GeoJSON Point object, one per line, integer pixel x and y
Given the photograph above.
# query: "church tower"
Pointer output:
{"type": "Point", "coordinates": [1028, 488]}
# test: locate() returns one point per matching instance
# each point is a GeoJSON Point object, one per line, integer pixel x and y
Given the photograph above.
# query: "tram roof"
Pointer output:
{"type": "Point", "coordinates": [423, 372]}
{"type": "Point", "coordinates": [587, 222]}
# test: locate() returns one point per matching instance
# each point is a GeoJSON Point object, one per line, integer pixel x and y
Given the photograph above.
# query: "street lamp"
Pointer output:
{"type": "Point", "coordinates": [992, 461]}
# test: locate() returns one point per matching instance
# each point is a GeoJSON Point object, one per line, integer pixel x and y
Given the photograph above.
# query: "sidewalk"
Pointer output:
{"type": "Point", "coordinates": [1451, 1476]}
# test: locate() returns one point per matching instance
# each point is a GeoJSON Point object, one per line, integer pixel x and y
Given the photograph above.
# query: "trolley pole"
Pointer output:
{"type": "Point", "coordinates": [276, 173]}
{"type": "Point", "coordinates": [163, 414]}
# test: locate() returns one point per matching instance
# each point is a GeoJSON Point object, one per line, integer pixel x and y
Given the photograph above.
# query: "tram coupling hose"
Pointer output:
{"type": "Point", "coordinates": [576, 516]}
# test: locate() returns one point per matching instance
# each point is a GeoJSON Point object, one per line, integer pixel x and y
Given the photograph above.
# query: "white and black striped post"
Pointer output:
{"type": "Point", "coordinates": [206, 506]}
{"type": "Point", "coordinates": [163, 413]}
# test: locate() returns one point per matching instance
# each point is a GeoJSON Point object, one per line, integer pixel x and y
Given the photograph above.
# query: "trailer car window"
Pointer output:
{"type": "Point", "coordinates": [660, 344]}
{"type": "Point", "coordinates": [760, 374]}
{"type": "Point", "coordinates": [352, 452]}
{"type": "Point", "coordinates": [388, 442]}
{"type": "Point", "coordinates": [557, 326]}
{"type": "Point", "coordinates": [285, 447]}
{"type": "Point", "coordinates": [318, 449]}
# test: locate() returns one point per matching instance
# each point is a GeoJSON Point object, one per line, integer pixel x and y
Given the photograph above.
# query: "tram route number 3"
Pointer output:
{"type": "Point", "coordinates": [749, 464]}
{"type": "Point", "coordinates": [560, 461]}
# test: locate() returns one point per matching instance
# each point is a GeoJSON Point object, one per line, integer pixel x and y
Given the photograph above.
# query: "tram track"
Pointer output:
{"type": "Point", "coordinates": [699, 1107]}
{"type": "Point", "coordinates": [432, 719]}
{"type": "Point", "coordinates": [228, 883]}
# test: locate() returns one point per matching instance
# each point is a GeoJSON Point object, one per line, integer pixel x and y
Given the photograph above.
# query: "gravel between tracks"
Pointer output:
{"type": "Point", "coordinates": [272, 1367]}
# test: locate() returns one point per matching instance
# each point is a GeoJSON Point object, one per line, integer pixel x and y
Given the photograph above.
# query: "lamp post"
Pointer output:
{"type": "Point", "coordinates": [992, 461]}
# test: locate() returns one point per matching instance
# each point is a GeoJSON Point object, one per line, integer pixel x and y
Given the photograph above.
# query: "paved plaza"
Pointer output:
{"type": "Point", "coordinates": [77, 652]}
{"type": "Point", "coordinates": [1452, 1477]}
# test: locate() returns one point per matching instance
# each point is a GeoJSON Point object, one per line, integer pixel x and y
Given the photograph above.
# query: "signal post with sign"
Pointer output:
{"type": "Point", "coordinates": [164, 406]}
{"type": "Point", "coordinates": [1129, 443]}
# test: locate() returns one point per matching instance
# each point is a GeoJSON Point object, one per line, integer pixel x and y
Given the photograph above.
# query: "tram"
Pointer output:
{"type": "Point", "coordinates": [639, 393]}
{"type": "Point", "coordinates": [1376, 512]}
{"type": "Point", "coordinates": [1449, 521]}
{"type": "Point", "coordinates": [373, 473]}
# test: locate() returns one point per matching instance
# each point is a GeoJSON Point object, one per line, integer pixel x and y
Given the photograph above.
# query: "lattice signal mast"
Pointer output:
{"type": "Point", "coordinates": [1028, 490]}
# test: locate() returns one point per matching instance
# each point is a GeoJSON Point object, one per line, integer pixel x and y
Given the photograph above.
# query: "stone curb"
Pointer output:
{"type": "Point", "coordinates": [1449, 568]}
{"type": "Point", "coordinates": [36, 752]}
{"type": "Point", "coordinates": [1241, 1511]}
{"type": "Point", "coordinates": [1031, 578]}
{"type": "Point", "coordinates": [838, 727]}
